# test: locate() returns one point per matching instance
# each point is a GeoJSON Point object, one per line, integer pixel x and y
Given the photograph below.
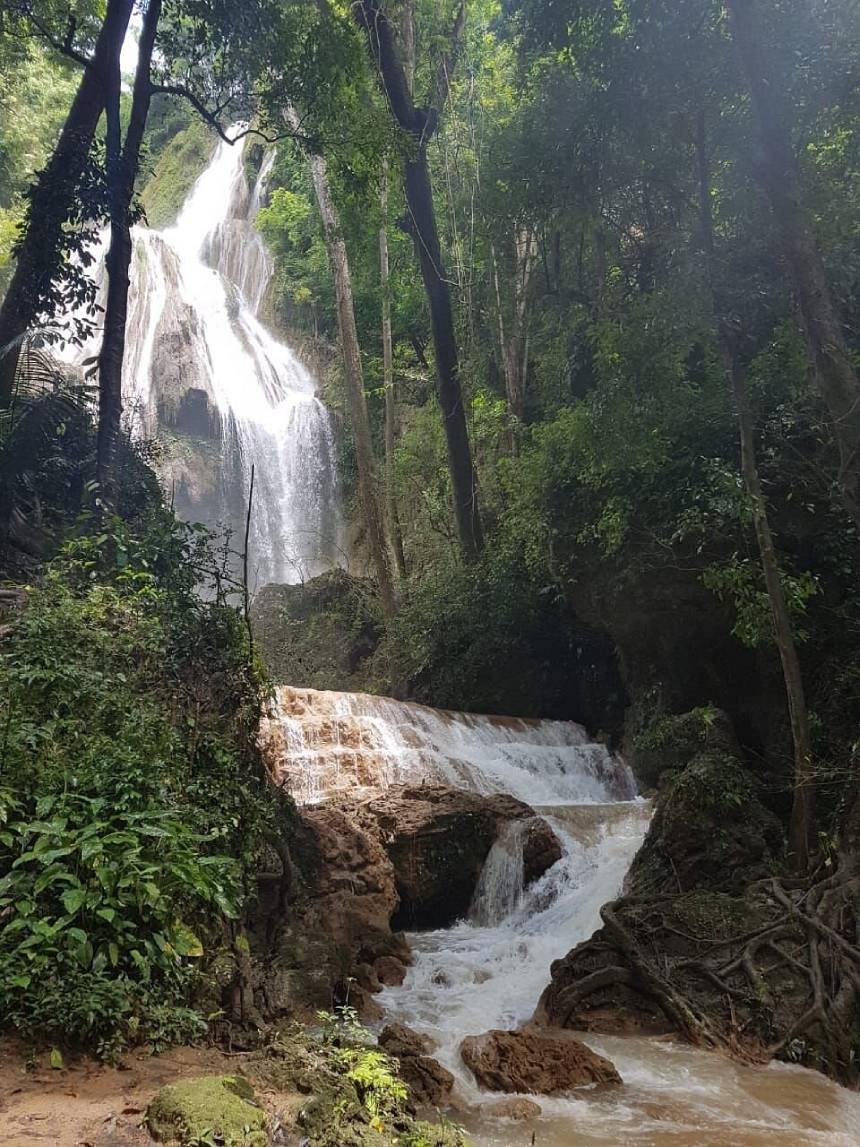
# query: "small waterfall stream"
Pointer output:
{"type": "Point", "coordinates": [489, 970]}
{"type": "Point", "coordinates": [204, 374]}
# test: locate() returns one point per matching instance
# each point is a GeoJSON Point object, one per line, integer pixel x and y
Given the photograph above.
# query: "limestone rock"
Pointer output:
{"type": "Point", "coordinates": [223, 1107]}
{"type": "Point", "coordinates": [390, 971]}
{"type": "Point", "coordinates": [532, 1063]}
{"type": "Point", "coordinates": [401, 1041]}
{"type": "Point", "coordinates": [438, 838]}
{"type": "Point", "coordinates": [430, 1083]}
{"type": "Point", "coordinates": [355, 894]}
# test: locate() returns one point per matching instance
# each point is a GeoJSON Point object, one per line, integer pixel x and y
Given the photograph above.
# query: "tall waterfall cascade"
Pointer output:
{"type": "Point", "coordinates": [204, 376]}
{"type": "Point", "coordinates": [489, 970]}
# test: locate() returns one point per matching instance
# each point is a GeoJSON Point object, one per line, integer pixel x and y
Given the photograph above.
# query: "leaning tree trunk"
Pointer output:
{"type": "Point", "coordinates": [354, 376]}
{"type": "Point", "coordinates": [419, 124]}
{"type": "Point", "coordinates": [41, 250]}
{"type": "Point", "coordinates": [803, 792]}
{"type": "Point", "coordinates": [828, 351]}
{"type": "Point", "coordinates": [123, 161]}
{"type": "Point", "coordinates": [394, 530]}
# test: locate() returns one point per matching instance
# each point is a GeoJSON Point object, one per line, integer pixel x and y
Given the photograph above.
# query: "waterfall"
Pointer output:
{"type": "Point", "coordinates": [500, 887]}
{"type": "Point", "coordinates": [489, 970]}
{"type": "Point", "coordinates": [322, 743]}
{"type": "Point", "coordinates": [203, 374]}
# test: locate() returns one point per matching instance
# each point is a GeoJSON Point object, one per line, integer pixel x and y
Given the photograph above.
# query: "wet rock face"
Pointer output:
{"type": "Point", "coordinates": [355, 894]}
{"type": "Point", "coordinates": [517, 1109]}
{"type": "Point", "coordinates": [534, 1064]}
{"type": "Point", "coordinates": [438, 838]}
{"type": "Point", "coordinates": [430, 1083]}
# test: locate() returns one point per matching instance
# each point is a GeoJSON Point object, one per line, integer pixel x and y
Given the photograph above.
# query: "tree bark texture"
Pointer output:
{"type": "Point", "coordinates": [41, 251]}
{"type": "Point", "coordinates": [419, 124]}
{"type": "Point", "coordinates": [123, 160]}
{"type": "Point", "coordinates": [354, 376]}
{"type": "Point", "coordinates": [802, 810]}
{"type": "Point", "coordinates": [394, 531]}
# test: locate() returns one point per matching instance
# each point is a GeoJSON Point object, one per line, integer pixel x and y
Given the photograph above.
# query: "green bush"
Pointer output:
{"type": "Point", "coordinates": [132, 799]}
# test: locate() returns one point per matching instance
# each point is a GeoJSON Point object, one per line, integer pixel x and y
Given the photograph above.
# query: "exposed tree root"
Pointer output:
{"type": "Point", "coordinates": [788, 987]}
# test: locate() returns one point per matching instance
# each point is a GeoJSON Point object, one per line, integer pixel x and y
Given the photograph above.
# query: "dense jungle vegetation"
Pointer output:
{"type": "Point", "coordinates": [588, 279]}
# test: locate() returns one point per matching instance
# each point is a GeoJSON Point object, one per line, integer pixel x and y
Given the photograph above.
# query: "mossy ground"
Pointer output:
{"type": "Point", "coordinates": [219, 1107]}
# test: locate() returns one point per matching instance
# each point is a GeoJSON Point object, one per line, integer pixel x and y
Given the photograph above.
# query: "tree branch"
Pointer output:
{"type": "Point", "coordinates": [211, 117]}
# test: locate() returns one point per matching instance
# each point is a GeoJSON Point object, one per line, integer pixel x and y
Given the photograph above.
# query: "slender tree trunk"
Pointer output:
{"type": "Point", "coordinates": [41, 251]}
{"type": "Point", "coordinates": [388, 383]}
{"type": "Point", "coordinates": [802, 808]}
{"type": "Point", "coordinates": [516, 353]}
{"type": "Point", "coordinates": [354, 376]}
{"type": "Point", "coordinates": [800, 823]}
{"type": "Point", "coordinates": [419, 125]}
{"type": "Point", "coordinates": [600, 264]}
{"type": "Point", "coordinates": [828, 351]}
{"type": "Point", "coordinates": [123, 161]}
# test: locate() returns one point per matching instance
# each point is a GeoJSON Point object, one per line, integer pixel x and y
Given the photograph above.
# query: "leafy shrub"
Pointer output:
{"type": "Point", "coordinates": [132, 798]}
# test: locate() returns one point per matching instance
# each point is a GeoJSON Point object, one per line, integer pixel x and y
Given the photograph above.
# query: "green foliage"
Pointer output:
{"type": "Point", "coordinates": [741, 581]}
{"type": "Point", "coordinates": [177, 164]}
{"type": "Point", "coordinates": [35, 93]}
{"type": "Point", "coordinates": [132, 798]}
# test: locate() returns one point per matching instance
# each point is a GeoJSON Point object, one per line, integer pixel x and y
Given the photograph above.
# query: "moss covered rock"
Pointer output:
{"type": "Point", "coordinates": [320, 634]}
{"type": "Point", "coordinates": [668, 744]}
{"type": "Point", "coordinates": [223, 1107]}
{"type": "Point", "coordinates": [176, 171]}
{"type": "Point", "coordinates": [710, 830]}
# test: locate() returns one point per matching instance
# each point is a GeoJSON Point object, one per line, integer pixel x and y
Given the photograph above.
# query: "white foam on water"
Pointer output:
{"type": "Point", "coordinates": [196, 292]}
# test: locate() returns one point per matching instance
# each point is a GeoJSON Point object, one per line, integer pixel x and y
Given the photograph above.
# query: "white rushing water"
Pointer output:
{"type": "Point", "coordinates": [322, 743]}
{"type": "Point", "coordinates": [489, 970]}
{"type": "Point", "coordinates": [199, 359]}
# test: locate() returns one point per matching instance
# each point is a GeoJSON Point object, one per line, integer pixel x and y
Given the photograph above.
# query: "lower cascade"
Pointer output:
{"type": "Point", "coordinates": [488, 970]}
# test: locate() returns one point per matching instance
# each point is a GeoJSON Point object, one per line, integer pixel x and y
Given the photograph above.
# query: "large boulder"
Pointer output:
{"type": "Point", "coordinates": [526, 1062]}
{"type": "Point", "coordinates": [320, 633]}
{"type": "Point", "coordinates": [354, 896]}
{"type": "Point", "coordinates": [710, 830]}
{"type": "Point", "coordinates": [668, 744]}
{"type": "Point", "coordinates": [438, 839]}
{"type": "Point", "coordinates": [429, 1082]}
{"type": "Point", "coordinates": [222, 1108]}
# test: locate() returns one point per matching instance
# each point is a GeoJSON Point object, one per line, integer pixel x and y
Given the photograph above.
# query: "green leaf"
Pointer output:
{"type": "Point", "coordinates": [185, 942]}
{"type": "Point", "coordinates": [73, 899]}
{"type": "Point", "coordinates": [56, 1058]}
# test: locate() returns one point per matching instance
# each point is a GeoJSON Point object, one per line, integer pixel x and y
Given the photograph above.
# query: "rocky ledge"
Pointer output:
{"type": "Point", "coordinates": [408, 857]}
{"type": "Point", "coordinates": [532, 1063]}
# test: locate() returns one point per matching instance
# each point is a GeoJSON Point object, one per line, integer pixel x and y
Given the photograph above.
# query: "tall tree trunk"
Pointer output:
{"type": "Point", "coordinates": [354, 376]}
{"type": "Point", "coordinates": [419, 124]}
{"type": "Point", "coordinates": [41, 251]}
{"type": "Point", "coordinates": [802, 808]}
{"type": "Point", "coordinates": [516, 351]}
{"type": "Point", "coordinates": [828, 351]}
{"type": "Point", "coordinates": [388, 383]}
{"type": "Point", "coordinates": [123, 160]}
{"type": "Point", "coordinates": [800, 823]}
